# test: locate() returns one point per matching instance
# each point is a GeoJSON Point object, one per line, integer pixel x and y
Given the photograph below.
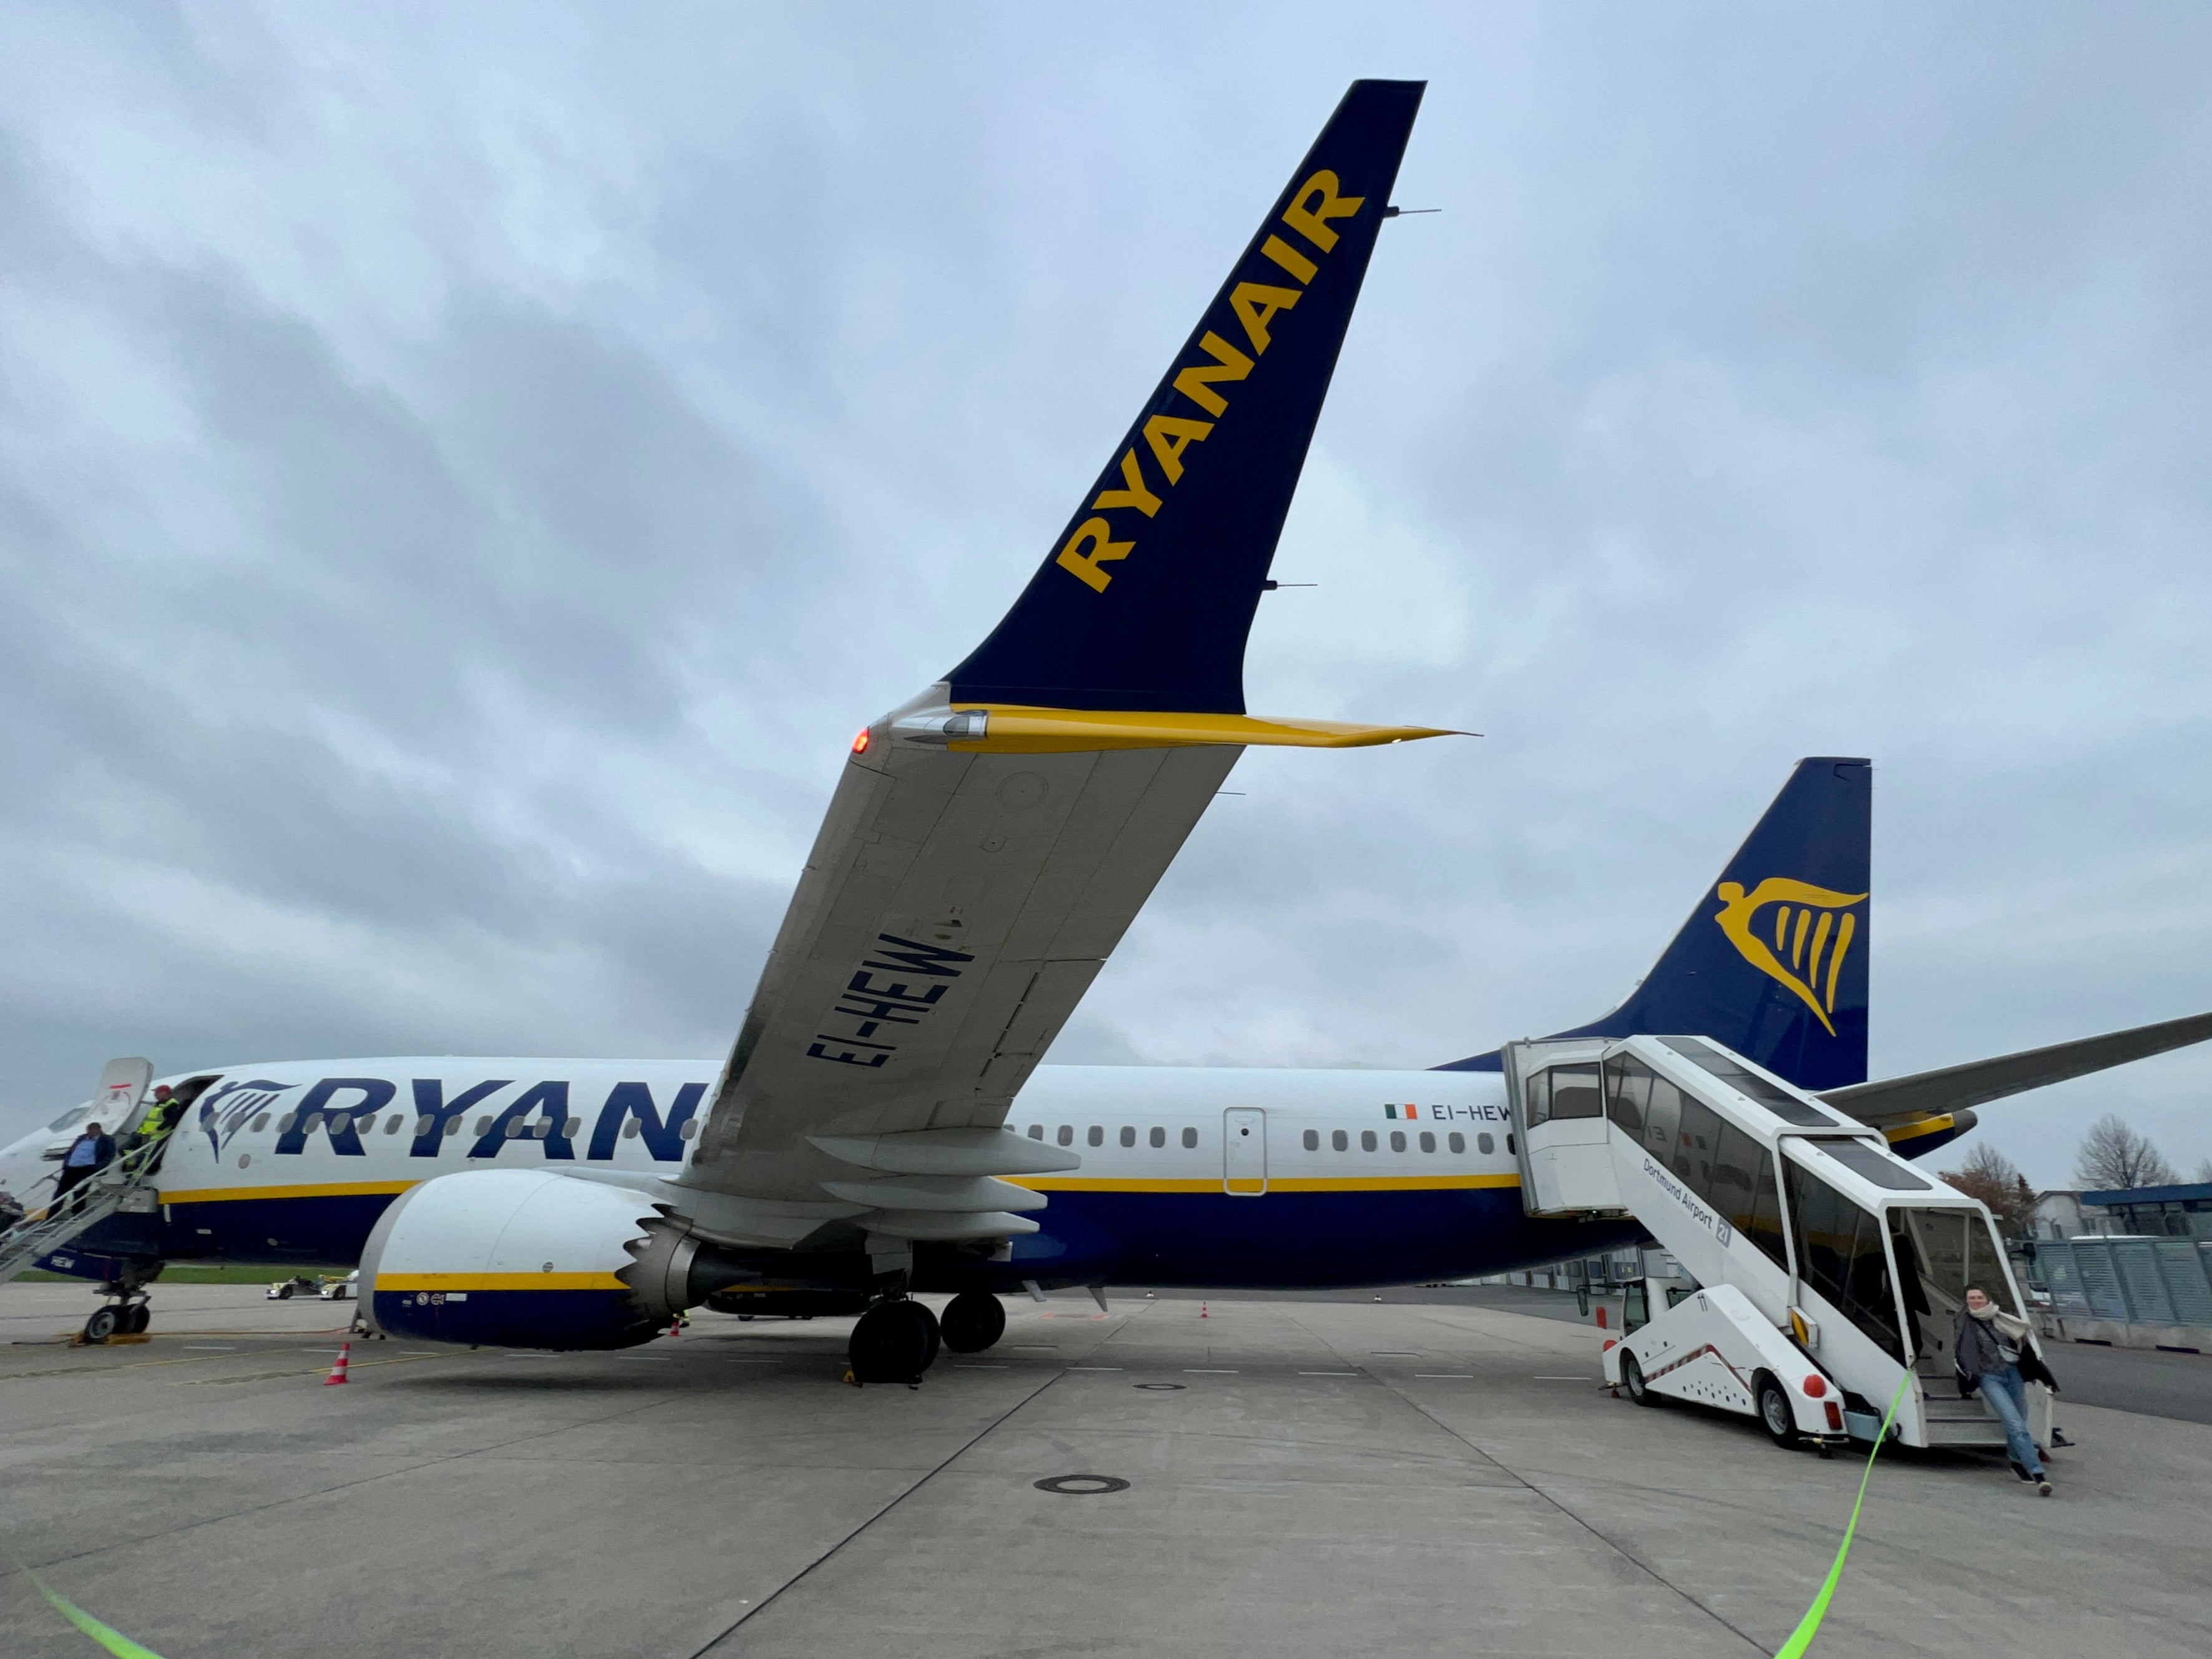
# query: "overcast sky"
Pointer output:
{"type": "Point", "coordinates": [465, 472]}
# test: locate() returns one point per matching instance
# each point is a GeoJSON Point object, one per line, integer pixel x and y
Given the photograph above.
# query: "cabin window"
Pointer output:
{"type": "Point", "coordinates": [573, 1127]}
{"type": "Point", "coordinates": [1313, 1140]}
{"type": "Point", "coordinates": [1367, 1140]}
{"type": "Point", "coordinates": [311, 1122]}
{"type": "Point", "coordinates": [1036, 1132]}
{"type": "Point", "coordinates": [1159, 1136]}
{"type": "Point", "coordinates": [1338, 1140]}
{"type": "Point", "coordinates": [284, 1123]}
{"type": "Point", "coordinates": [1397, 1141]}
{"type": "Point", "coordinates": [1428, 1141]}
{"type": "Point", "coordinates": [689, 1130]}
{"type": "Point", "coordinates": [1190, 1138]}
{"type": "Point", "coordinates": [366, 1125]}
{"type": "Point", "coordinates": [1485, 1142]}
{"type": "Point", "coordinates": [629, 1130]}
{"type": "Point", "coordinates": [1096, 1137]}
{"type": "Point", "coordinates": [1128, 1136]}
{"type": "Point", "coordinates": [261, 1123]}
{"type": "Point", "coordinates": [516, 1128]}
{"type": "Point", "coordinates": [392, 1124]}
{"type": "Point", "coordinates": [1067, 1135]}
{"type": "Point", "coordinates": [484, 1126]}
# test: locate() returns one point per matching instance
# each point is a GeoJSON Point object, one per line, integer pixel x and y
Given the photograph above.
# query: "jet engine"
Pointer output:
{"type": "Point", "coordinates": [513, 1258]}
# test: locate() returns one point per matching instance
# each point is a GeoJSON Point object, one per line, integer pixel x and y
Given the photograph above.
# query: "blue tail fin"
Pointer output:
{"type": "Point", "coordinates": [1774, 960]}
{"type": "Point", "coordinates": [1146, 597]}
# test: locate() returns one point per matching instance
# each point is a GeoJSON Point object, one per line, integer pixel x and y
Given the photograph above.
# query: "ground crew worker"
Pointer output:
{"type": "Point", "coordinates": [160, 1121]}
{"type": "Point", "coordinates": [87, 1155]}
{"type": "Point", "coordinates": [1991, 1348]}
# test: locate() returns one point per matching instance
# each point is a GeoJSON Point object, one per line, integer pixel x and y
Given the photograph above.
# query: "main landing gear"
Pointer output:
{"type": "Point", "coordinates": [894, 1341]}
{"type": "Point", "coordinates": [972, 1321]}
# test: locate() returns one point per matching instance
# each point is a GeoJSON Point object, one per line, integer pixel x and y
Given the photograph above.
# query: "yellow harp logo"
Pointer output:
{"type": "Point", "coordinates": [1813, 928]}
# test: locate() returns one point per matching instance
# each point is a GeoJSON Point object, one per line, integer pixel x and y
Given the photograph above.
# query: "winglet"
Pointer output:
{"type": "Point", "coordinates": [1146, 596]}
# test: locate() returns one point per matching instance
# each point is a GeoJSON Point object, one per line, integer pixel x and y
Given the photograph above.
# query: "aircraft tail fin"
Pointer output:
{"type": "Point", "coordinates": [1145, 600]}
{"type": "Point", "coordinates": [1774, 960]}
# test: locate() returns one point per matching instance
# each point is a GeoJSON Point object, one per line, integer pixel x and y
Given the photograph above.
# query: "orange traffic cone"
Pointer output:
{"type": "Point", "coordinates": [338, 1371]}
{"type": "Point", "coordinates": [1201, 1310]}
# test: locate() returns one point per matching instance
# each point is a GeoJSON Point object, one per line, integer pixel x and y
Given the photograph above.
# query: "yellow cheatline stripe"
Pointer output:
{"type": "Point", "coordinates": [1919, 1126]}
{"type": "Point", "coordinates": [1015, 729]}
{"type": "Point", "coordinates": [334, 1189]}
{"type": "Point", "coordinates": [1809, 1626]}
{"type": "Point", "coordinates": [499, 1282]}
{"type": "Point", "coordinates": [1275, 1183]}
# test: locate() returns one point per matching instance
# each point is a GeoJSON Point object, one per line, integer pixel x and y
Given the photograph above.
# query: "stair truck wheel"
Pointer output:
{"type": "Point", "coordinates": [893, 1342]}
{"type": "Point", "coordinates": [1632, 1378]}
{"type": "Point", "coordinates": [972, 1322]}
{"type": "Point", "coordinates": [1774, 1413]}
{"type": "Point", "coordinates": [103, 1324]}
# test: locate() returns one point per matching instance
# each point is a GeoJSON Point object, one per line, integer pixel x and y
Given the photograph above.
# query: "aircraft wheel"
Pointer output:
{"type": "Point", "coordinates": [136, 1318]}
{"type": "Point", "coordinates": [1632, 1378]}
{"type": "Point", "coordinates": [893, 1342]}
{"type": "Point", "coordinates": [1774, 1413]}
{"type": "Point", "coordinates": [103, 1324]}
{"type": "Point", "coordinates": [972, 1321]}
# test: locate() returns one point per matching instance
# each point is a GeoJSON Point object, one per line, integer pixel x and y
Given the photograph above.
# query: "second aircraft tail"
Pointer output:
{"type": "Point", "coordinates": [1772, 962]}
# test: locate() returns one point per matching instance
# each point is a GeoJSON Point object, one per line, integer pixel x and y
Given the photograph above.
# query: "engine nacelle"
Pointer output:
{"type": "Point", "coordinates": [513, 1259]}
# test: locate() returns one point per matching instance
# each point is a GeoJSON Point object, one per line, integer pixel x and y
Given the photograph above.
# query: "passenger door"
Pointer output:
{"type": "Point", "coordinates": [1244, 1152]}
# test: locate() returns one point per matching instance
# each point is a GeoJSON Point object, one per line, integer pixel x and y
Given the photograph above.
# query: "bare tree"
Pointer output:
{"type": "Point", "coordinates": [1991, 1177]}
{"type": "Point", "coordinates": [2204, 1171]}
{"type": "Point", "coordinates": [2114, 1157]}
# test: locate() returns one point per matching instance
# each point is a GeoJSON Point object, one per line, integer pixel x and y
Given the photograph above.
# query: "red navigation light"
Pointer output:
{"type": "Point", "coordinates": [1815, 1386]}
{"type": "Point", "coordinates": [861, 743]}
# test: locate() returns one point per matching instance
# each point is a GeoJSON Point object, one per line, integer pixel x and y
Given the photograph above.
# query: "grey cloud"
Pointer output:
{"type": "Point", "coordinates": [459, 487]}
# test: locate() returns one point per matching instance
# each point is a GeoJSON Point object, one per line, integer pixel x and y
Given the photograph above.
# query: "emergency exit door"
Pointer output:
{"type": "Point", "coordinates": [1244, 1152]}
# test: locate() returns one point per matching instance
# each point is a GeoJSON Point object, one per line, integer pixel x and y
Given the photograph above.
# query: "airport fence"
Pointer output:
{"type": "Point", "coordinates": [2154, 1292]}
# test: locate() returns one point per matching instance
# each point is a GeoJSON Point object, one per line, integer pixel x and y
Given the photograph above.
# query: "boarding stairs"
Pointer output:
{"type": "Point", "coordinates": [126, 1185]}
{"type": "Point", "coordinates": [1827, 1270]}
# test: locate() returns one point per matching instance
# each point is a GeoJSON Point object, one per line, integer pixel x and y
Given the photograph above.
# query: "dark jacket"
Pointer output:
{"type": "Point", "coordinates": [1974, 1349]}
{"type": "Point", "coordinates": [103, 1150]}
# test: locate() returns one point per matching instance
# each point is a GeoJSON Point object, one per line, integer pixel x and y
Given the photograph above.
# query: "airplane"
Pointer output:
{"type": "Point", "coordinates": [883, 1124]}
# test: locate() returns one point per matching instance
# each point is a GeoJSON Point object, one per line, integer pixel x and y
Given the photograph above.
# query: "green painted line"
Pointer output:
{"type": "Point", "coordinates": [1809, 1626]}
{"type": "Point", "coordinates": [106, 1635]}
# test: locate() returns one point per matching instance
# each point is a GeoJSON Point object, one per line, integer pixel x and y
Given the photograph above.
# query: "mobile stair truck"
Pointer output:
{"type": "Point", "coordinates": [1827, 1266]}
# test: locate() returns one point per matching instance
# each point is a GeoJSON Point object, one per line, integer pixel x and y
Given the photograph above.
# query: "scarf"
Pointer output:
{"type": "Point", "coordinates": [2010, 1327]}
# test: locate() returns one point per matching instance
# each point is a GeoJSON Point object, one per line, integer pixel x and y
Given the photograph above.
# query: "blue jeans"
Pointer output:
{"type": "Point", "coordinates": [2008, 1398]}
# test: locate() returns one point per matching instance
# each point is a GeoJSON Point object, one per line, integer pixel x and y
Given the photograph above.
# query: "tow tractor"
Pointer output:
{"type": "Point", "coordinates": [1827, 1270]}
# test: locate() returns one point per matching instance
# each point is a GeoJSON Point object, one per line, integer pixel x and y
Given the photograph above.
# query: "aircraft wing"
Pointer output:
{"type": "Point", "coordinates": [990, 840]}
{"type": "Point", "coordinates": [1901, 1101]}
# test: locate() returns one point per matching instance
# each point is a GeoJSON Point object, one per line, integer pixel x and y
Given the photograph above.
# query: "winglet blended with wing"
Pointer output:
{"type": "Point", "coordinates": [990, 841]}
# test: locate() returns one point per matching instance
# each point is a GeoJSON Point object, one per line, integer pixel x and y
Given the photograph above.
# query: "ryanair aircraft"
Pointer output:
{"type": "Point", "coordinates": [882, 1124]}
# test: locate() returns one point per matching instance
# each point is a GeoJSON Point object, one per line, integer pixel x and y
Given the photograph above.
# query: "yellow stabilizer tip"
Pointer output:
{"type": "Point", "coordinates": [1013, 729]}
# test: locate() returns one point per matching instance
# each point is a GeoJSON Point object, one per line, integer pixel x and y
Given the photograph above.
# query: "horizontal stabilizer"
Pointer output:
{"type": "Point", "coordinates": [1931, 1094]}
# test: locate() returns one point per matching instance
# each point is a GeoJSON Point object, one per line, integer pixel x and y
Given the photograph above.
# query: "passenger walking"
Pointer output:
{"type": "Point", "coordinates": [87, 1155]}
{"type": "Point", "coordinates": [1991, 1350]}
